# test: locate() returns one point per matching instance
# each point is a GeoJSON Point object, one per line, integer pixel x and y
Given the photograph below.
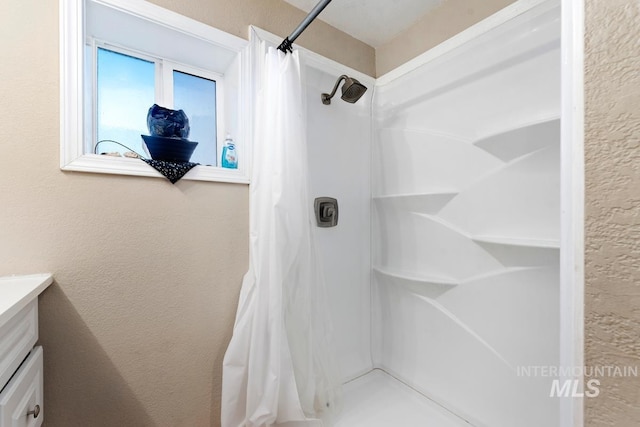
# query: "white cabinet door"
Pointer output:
{"type": "Point", "coordinates": [21, 402]}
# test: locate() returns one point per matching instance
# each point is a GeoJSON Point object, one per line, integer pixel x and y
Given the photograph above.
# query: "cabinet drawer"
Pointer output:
{"type": "Point", "coordinates": [24, 394]}
{"type": "Point", "coordinates": [17, 338]}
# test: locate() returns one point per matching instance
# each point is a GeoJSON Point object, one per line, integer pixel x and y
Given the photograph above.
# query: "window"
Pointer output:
{"type": "Point", "coordinates": [128, 83]}
{"type": "Point", "coordinates": [133, 54]}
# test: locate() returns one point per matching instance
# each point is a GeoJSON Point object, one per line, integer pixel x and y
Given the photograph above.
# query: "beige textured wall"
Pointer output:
{"type": "Point", "coordinates": [147, 274]}
{"type": "Point", "coordinates": [612, 315]}
{"type": "Point", "coordinates": [447, 20]}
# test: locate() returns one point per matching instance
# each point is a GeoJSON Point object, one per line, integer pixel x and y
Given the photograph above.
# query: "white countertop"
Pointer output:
{"type": "Point", "coordinates": [18, 291]}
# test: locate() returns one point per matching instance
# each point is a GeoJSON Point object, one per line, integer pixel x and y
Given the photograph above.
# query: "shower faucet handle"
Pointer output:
{"type": "Point", "coordinates": [326, 209]}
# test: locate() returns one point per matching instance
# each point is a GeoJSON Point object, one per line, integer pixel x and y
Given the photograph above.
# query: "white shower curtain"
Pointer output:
{"type": "Point", "coordinates": [277, 367]}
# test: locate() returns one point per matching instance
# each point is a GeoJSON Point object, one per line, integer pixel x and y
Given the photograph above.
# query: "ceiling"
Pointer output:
{"type": "Point", "coordinates": [375, 22]}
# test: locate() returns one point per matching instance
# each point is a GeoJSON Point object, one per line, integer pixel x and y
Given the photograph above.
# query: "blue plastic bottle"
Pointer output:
{"type": "Point", "coordinates": [229, 154]}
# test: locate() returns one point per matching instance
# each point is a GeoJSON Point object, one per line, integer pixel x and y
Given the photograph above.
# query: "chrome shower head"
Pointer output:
{"type": "Point", "coordinates": [352, 90]}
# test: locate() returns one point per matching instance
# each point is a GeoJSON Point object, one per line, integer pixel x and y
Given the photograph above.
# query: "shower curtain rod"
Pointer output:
{"type": "Point", "coordinates": [287, 43]}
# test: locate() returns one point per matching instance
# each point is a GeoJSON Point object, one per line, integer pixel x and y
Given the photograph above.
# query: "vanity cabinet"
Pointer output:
{"type": "Point", "coordinates": [21, 369]}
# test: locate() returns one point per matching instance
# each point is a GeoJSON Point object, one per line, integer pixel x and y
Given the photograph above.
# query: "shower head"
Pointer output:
{"type": "Point", "coordinates": [352, 90]}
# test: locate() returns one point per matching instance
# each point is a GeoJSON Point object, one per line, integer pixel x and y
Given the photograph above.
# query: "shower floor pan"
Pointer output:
{"type": "Point", "coordinates": [379, 400]}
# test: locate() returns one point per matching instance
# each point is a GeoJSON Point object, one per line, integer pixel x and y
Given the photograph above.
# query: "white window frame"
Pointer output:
{"type": "Point", "coordinates": [73, 153]}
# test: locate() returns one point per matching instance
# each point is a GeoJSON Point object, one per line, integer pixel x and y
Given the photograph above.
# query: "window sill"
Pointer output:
{"type": "Point", "coordinates": [125, 166]}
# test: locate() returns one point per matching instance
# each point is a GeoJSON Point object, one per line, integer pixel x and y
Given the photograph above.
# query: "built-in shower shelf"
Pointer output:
{"type": "Point", "coordinates": [430, 203]}
{"type": "Point", "coordinates": [518, 242]}
{"type": "Point", "coordinates": [416, 277]}
{"type": "Point", "coordinates": [522, 140]}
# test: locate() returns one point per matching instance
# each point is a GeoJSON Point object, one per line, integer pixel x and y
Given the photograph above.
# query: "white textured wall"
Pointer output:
{"type": "Point", "coordinates": [147, 273]}
{"type": "Point", "coordinates": [612, 155]}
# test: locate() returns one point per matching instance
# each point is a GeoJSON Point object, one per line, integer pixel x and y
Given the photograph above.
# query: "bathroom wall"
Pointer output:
{"type": "Point", "coordinates": [612, 156]}
{"type": "Point", "coordinates": [466, 182]}
{"type": "Point", "coordinates": [447, 20]}
{"type": "Point", "coordinates": [147, 273]}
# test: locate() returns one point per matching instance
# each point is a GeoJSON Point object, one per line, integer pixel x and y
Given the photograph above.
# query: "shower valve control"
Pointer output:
{"type": "Point", "coordinates": [326, 209]}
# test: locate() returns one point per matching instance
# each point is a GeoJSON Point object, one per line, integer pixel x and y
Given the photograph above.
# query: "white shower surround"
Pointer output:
{"type": "Point", "coordinates": [466, 236]}
{"type": "Point", "coordinates": [452, 303]}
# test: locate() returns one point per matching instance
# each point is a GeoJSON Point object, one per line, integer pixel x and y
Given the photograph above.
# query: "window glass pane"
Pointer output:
{"type": "Point", "coordinates": [197, 97]}
{"type": "Point", "coordinates": [126, 91]}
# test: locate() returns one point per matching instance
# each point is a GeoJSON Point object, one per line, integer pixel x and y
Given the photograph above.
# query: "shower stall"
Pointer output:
{"type": "Point", "coordinates": [466, 224]}
{"type": "Point", "coordinates": [443, 273]}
